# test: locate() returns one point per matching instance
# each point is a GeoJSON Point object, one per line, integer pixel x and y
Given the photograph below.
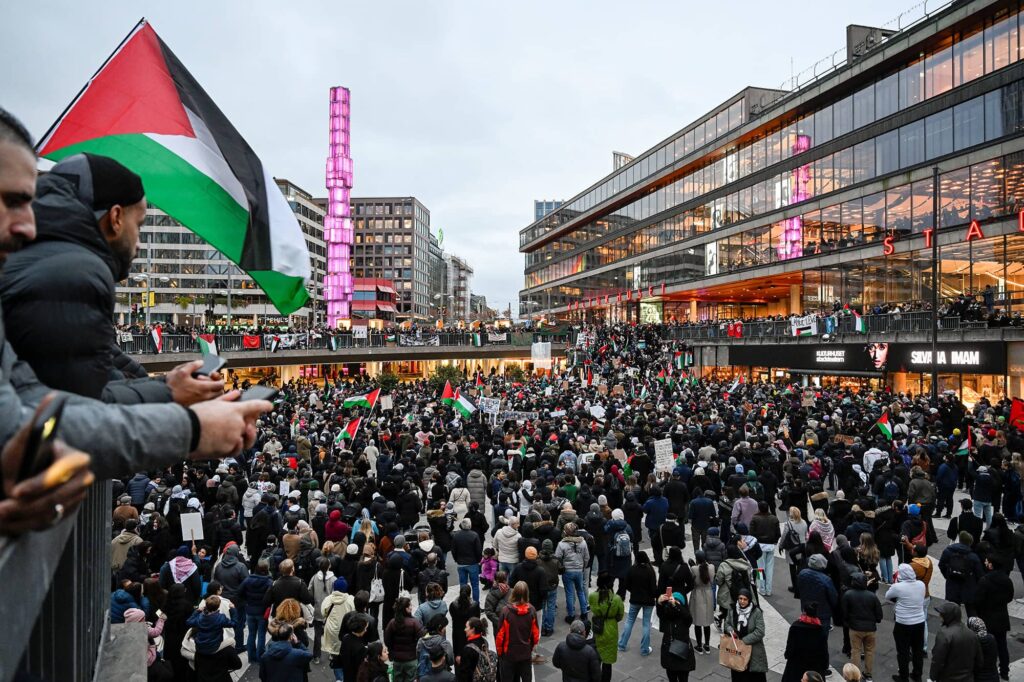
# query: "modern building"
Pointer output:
{"type": "Point", "coordinates": [781, 202]}
{"type": "Point", "coordinates": [392, 241]}
{"type": "Point", "coordinates": [458, 289]}
{"type": "Point", "coordinates": [185, 277]}
{"type": "Point", "coordinates": [438, 275]}
{"type": "Point", "coordinates": [478, 309]}
{"type": "Point", "coordinates": [374, 299]}
{"type": "Point", "coordinates": [542, 207]}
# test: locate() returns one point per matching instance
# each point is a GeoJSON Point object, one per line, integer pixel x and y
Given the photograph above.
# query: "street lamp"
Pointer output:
{"type": "Point", "coordinates": [146, 277]}
{"type": "Point", "coordinates": [438, 297]}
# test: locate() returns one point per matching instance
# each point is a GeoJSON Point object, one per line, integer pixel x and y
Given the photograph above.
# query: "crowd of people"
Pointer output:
{"type": "Point", "coordinates": [322, 530]}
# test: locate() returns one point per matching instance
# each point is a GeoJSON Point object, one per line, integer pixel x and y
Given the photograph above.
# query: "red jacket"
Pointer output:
{"type": "Point", "coordinates": [518, 633]}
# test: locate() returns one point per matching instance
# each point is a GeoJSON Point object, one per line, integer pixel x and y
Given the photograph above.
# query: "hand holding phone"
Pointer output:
{"type": "Point", "coordinates": [211, 363]}
{"type": "Point", "coordinates": [260, 393]}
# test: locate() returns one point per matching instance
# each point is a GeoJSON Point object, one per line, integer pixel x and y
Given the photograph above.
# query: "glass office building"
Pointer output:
{"type": "Point", "coordinates": [781, 202]}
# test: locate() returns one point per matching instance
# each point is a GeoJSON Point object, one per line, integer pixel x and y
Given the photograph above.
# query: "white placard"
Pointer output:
{"type": "Point", "coordinates": [359, 331]}
{"type": "Point", "coordinates": [540, 354]}
{"type": "Point", "coordinates": [191, 526]}
{"type": "Point", "coordinates": [597, 411]}
{"type": "Point", "coordinates": [557, 413]}
{"type": "Point", "coordinates": [489, 405]}
{"type": "Point", "coordinates": [387, 403]}
{"type": "Point", "coordinates": [663, 455]}
{"type": "Point", "coordinates": [283, 488]}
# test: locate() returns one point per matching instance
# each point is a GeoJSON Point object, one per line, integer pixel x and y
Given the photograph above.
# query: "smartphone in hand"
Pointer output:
{"type": "Point", "coordinates": [38, 455]}
{"type": "Point", "coordinates": [211, 363]}
{"type": "Point", "coordinates": [260, 393]}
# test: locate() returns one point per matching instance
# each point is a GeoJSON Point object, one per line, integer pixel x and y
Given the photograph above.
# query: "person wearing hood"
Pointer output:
{"type": "Point", "coordinates": [862, 612]}
{"type": "Point", "coordinates": [250, 596]}
{"type": "Point", "coordinates": [574, 557]}
{"type": "Point", "coordinates": [957, 654]}
{"type": "Point", "coordinates": [231, 572]}
{"type": "Point", "coordinates": [817, 588]}
{"type": "Point", "coordinates": [516, 636]}
{"type": "Point", "coordinates": [336, 530]}
{"type": "Point", "coordinates": [530, 572]}
{"type": "Point", "coordinates": [989, 657]}
{"type": "Point", "coordinates": [907, 593]}
{"type": "Point", "coordinates": [701, 511]}
{"type": "Point", "coordinates": [127, 596]}
{"type": "Point", "coordinates": [578, 661]}
{"type": "Point", "coordinates": [506, 543]}
{"type": "Point", "coordinates": [497, 599]}
{"type": "Point", "coordinates": [434, 638]}
{"type": "Point", "coordinates": [620, 548]}
{"type": "Point", "coordinates": [993, 596]}
{"type": "Point", "coordinates": [285, 659]}
{"type": "Point", "coordinates": [122, 543]}
{"type": "Point", "coordinates": [962, 569]}
{"type": "Point", "coordinates": [152, 632]}
{"type": "Point", "coordinates": [331, 610]}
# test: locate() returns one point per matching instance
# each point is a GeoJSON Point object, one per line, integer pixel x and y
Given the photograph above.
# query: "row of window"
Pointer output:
{"type": "Point", "coordinates": [973, 54]}
{"type": "Point", "coordinates": [986, 118]}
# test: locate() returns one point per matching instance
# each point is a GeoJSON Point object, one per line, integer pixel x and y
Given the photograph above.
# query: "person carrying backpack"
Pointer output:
{"type": "Point", "coordinates": [732, 576]}
{"type": "Point", "coordinates": [962, 569]}
{"type": "Point", "coordinates": [476, 662]}
{"type": "Point", "coordinates": [620, 549]}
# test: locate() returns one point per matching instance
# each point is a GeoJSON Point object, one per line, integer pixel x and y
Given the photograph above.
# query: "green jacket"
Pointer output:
{"type": "Point", "coordinates": [613, 612]}
{"type": "Point", "coordinates": [754, 637]}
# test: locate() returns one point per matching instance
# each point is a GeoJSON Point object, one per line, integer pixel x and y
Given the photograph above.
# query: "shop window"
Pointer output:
{"type": "Point", "coordinates": [921, 205]}
{"type": "Point", "coordinates": [853, 220]}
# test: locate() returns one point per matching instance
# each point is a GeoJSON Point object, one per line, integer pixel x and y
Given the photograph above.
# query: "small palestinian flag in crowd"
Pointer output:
{"type": "Point", "coordinates": [367, 401]}
{"type": "Point", "coordinates": [884, 426]}
{"type": "Point", "coordinates": [677, 359]}
{"type": "Point", "coordinates": [349, 432]}
{"type": "Point", "coordinates": [463, 405]}
{"type": "Point", "coordinates": [643, 392]}
{"type": "Point", "coordinates": [144, 109]}
{"type": "Point", "coordinates": [275, 343]}
{"type": "Point", "coordinates": [207, 343]}
{"type": "Point", "coordinates": [156, 335]}
{"type": "Point", "coordinates": [448, 395]}
{"type": "Point", "coordinates": [662, 377]}
{"type": "Point", "coordinates": [479, 380]}
{"type": "Point", "coordinates": [967, 444]}
{"type": "Point", "coordinates": [859, 324]}
{"type": "Point", "coordinates": [334, 342]}
{"type": "Point", "coordinates": [478, 339]}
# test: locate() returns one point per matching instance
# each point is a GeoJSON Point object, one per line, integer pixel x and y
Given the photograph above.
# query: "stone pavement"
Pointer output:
{"type": "Point", "coordinates": [780, 609]}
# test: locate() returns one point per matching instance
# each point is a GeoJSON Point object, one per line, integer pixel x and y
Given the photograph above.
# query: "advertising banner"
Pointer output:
{"type": "Point", "coordinates": [987, 357]}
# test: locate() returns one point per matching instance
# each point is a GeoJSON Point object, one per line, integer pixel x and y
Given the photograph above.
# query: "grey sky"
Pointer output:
{"type": "Point", "coordinates": [476, 108]}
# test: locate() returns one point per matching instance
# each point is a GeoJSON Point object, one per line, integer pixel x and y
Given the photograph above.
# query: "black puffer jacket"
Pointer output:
{"type": "Point", "coordinates": [69, 271]}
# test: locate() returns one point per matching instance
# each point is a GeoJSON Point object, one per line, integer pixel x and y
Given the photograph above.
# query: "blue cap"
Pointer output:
{"type": "Point", "coordinates": [341, 585]}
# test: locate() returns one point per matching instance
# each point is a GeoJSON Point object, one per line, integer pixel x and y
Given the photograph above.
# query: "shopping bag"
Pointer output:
{"type": "Point", "coordinates": [733, 653]}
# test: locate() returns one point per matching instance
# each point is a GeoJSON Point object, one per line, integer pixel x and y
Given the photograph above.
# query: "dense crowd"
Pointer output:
{"type": "Point", "coordinates": [344, 542]}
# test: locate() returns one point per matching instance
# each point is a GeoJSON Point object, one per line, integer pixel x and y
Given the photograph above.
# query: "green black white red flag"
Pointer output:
{"type": "Point", "coordinates": [145, 109]}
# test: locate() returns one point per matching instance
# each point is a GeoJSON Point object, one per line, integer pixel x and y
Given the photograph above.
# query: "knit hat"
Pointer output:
{"type": "Point", "coordinates": [617, 514]}
{"type": "Point", "coordinates": [352, 550]}
{"type": "Point", "coordinates": [678, 596]}
{"type": "Point", "coordinates": [531, 552]}
{"type": "Point", "coordinates": [817, 562]}
{"type": "Point", "coordinates": [100, 182]}
{"type": "Point", "coordinates": [340, 584]}
{"type": "Point", "coordinates": [547, 546]}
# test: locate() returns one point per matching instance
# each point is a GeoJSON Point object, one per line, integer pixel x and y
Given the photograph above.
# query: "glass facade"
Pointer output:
{"type": "Point", "coordinates": [962, 58]}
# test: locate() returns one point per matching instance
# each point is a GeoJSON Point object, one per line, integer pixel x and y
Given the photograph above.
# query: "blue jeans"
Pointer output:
{"type": "Point", "coordinates": [239, 623]}
{"type": "Point", "coordinates": [257, 637]}
{"type": "Point", "coordinates": [767, 564]}
{"type": "Point", "coordinates": [550, 607]}
{"type": "Point", "coordinates": [507, 567]}
{"type": "Point", "coordinates": [645, 639]}
{"type": "Point", "coordinates": [983, 510]}
{"type": "Point", "coordinates": [885, 568]}
{"type": "Point", "coordinates": [573, 582]}
{"type": "Point", "coordinates": [471, 574]}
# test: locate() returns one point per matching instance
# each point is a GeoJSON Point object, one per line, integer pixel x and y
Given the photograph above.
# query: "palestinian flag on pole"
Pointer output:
{"type": "Point", "coordinates": [349, 432]}
{"type": "Point", "coordinates": [463, 405]}
{"type": "Point", "coordinates": [967, 444]}
{"type": "Point", "coordinates": [448, 395]}
{"type": "Point", "coordinates": [207, 343]}
{"type": "Point", "coordinates": [643, 393]}
{"type": "Point", "coordinates": [662, 377]}
{"type": "Point", "coordinates": [334, 342]}
{"type": "Point", "coordinates": [884, 426]}
{"type": "Point", "coordinates": [157, 336]}
{"type": "Point", "coordinates": [677, 359]}
{"type": "Point", "coordinates": [367, 401]}
{"type": "Point", "coordinates": [479, 380]}
{"type": "Point", "coordinates": [478, 339]}
{"type": "Point", "coordinates": [859, 325]}
{"type": "Point", "coordinates": [145, 109]}
{"type": "Point", "coordinates": [275, 343]}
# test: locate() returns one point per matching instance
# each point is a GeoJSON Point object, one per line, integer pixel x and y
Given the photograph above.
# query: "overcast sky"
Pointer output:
{"type": "Point", "coordinates": [475, 108]}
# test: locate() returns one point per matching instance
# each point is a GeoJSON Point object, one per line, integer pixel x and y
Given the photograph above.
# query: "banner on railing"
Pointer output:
{"type": "Point", "coordinates": [124, 337]}
{"type": "Point", "coordinates": [359, 331]}
{"type": "Point", "coordinates": [804, 326]}
{"type": "Point", "coordinates": [540, 354]}
{"type": "Point", "coordinates": [251, 342]}
{"type": "Point", "coordinates": [495, 337]}
{"type": "Point", "coordinates": [411, 340]}
{"type": "Point", "coordinates": [286, 340]}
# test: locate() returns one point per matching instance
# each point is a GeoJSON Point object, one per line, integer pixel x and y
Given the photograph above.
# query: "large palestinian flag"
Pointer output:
{"type": "Point", "coordinates": [145, 109]}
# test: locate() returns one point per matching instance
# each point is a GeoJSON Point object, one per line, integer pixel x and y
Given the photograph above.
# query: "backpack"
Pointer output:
{"type": "Point", "coordinates": [753, 553]}
{"type": "Point", "coordinates": [486, 669]}
{"type": "Point", "coordinates": [622, 546]}
{"type": "Point", "coordinates": [891, 491]}
{"type": "Point", "coordinates": [756, 490]}
{"type": "Point", "coordinates": [305, 563]}
{"type": "Point", "coordinates": [740, 579]}
{"type": "Point", "coordinates": [922, 537]}
{"type": "Point", "coordinates": [958, 567]}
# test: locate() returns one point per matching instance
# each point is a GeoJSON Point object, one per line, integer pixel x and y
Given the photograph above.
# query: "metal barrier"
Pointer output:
{"type": "Point", "coordinates": [139, 344]}
{"type": "Point", "coordinates": [55, 586]}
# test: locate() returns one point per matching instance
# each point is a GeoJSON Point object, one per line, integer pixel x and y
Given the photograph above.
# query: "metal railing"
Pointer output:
{"type": "Point", "coordinates": [917, 321]}
{"type": "Point", "coordinates": [55, 587]}
{"type": "Point", "coordinates": [140, 344]}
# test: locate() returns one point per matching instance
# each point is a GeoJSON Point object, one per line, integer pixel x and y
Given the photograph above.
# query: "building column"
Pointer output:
{"type": "Point", "coordinates": [795, 304]}
{"type": "Point", "coordinates": [693, 311]}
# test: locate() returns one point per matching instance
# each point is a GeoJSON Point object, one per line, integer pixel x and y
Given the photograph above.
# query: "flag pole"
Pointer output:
{"type": "Point", "coordinates": [46, 136]}
{"type": "Point", "coordinates": [935, 286]}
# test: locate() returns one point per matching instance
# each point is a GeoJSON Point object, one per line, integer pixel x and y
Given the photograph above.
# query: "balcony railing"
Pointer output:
{"type": "Point", "coordinates": [917, 321]}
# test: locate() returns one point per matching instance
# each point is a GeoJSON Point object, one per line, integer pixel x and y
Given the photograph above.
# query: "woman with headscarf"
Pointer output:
{"type": "Point", "coordinates": [823, 527]}
{"type": "Point", "coordinates": [460, 498]}
{"type": "Point", "coordinates": [182, 569]}
{"type": "Point", "coordinates": [989, 652]}
{"type": "Point", "coordinates": [677, 655]}
{"type": "Point", "coordinates": [745, 621]}
{"type": "Point", "coordinates": [619, 549]}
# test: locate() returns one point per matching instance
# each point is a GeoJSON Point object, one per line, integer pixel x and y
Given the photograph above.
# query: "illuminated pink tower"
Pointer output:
{"type": "Point", "coordinates": [338, 221]}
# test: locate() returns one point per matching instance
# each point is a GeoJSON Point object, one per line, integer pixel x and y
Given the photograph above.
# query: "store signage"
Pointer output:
{"type": "Point", "coordinates": [951, 358]}
{"type": "Point", "coordinates": [973, 232]}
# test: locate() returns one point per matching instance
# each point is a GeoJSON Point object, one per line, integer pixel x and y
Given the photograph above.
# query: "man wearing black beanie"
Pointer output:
{"type": "Point", "coordinates": [89, 211]}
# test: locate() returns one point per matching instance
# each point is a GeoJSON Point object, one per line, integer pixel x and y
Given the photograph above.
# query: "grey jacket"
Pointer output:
{"type": "Point", "coordinates": [121, 439]}
{"type": "Point", "coordinates": [573, 553]}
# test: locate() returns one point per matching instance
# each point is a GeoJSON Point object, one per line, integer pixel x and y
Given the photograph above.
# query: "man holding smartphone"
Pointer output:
{"type": "Point", "coordinates": [120, 439]}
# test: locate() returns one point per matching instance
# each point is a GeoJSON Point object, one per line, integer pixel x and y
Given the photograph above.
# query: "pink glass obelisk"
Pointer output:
{"type": "Point", "coordinates": [338, 234]}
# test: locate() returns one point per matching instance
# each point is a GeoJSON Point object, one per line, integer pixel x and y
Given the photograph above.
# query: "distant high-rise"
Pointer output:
{"type": "Point", "coordinates": [541, 207]}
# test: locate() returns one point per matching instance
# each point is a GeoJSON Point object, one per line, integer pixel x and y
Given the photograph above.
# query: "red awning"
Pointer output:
{"type": "Point", "coordinates": [386, 307]}
{"type": "Point", "coordinates": [385, 289]}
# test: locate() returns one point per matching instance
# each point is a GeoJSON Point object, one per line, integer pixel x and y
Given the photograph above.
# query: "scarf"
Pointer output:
{"type": "Point", "coordinates": [810, 620]}
{"type": "Point", "coordinates": [826, 531]}
{"type": "Point", "coordinates": [743, 615]}
{"type": "Point", "coordinates": [181, 568]}
{"type": "Point", "coordinates": [977, 625]}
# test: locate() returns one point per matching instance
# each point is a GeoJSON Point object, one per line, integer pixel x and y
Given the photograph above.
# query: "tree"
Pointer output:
{"type": "Point", "coordinates": [388, 381]}
{"type": "Point", "coordinates": [515, 373]}
{"type": "Point", "coordinates": [184, 301]}
{"type": "Point", "coordinates": [445, 373]}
